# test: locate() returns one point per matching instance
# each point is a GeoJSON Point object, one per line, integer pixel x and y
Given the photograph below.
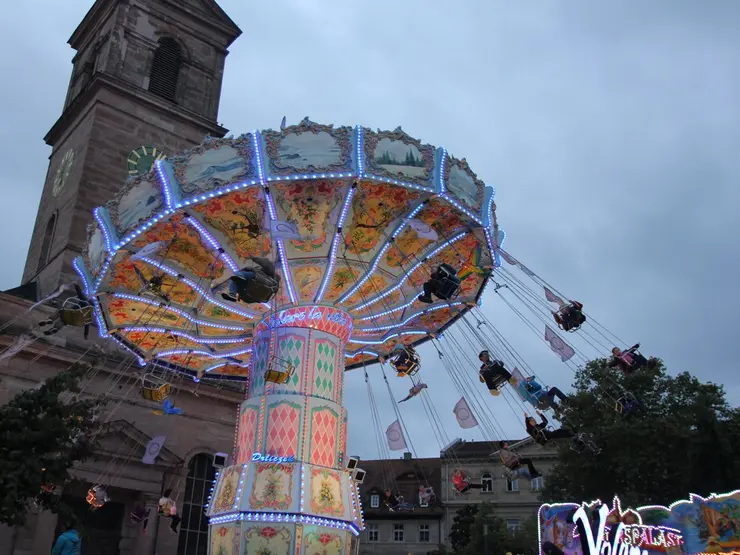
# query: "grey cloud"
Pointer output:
{"type": "Point", "coordinates": [610, 130]}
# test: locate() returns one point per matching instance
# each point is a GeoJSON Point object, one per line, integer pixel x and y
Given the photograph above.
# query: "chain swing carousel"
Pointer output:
{"type": "Point", "coordinates": [281, 259]}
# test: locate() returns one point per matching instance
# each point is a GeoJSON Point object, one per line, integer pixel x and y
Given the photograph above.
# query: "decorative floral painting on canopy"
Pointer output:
{"type": "Point", "coordinates": [272, 487]}
{"type": "Point", "coordinates": [326, 493]}
{"type": "Point", "coordinates": [225, 540]}
{"type": "Point", "coordinates": [268, 540]}
{"type": "Point", "coordinates": [226, 497]}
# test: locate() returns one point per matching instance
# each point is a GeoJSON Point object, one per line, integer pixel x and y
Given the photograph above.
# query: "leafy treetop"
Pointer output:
{"type": "Point", "coordinates": [42, 436]}
{"type": "Point", "coordinates": [679, 441]}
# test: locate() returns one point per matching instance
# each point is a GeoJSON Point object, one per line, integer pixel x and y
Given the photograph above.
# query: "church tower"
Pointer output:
{"type": "Point", "coordinates": [146, 83]}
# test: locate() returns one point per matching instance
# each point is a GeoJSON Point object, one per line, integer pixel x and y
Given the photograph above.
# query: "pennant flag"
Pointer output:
{"type": "Point", "coordinates": [464, 417]}
{"type": "Point", "coordinates": [424, 230]}
{"type": "Point", "coordinates": [394, 435]}
{"type": "Point", "coordinates": [526, 270]}
{"type": "Point", "coordinates": [553, 298]}
{"type": "Point", "coordinates": [20, 343]}
{"type": "Point", "coordinates": [147, 250]}
{"type": "Point", "coordinates": [510, 259]}
{"type": "Point", "coordinates": [558, 346]}
{"type": "Point", "coordinates": [152, 449]}
{"type": "Point", "coordinates": [284, 230]}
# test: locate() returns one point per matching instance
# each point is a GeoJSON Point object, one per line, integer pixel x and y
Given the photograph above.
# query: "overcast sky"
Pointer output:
{"type": "Point", "coordinates": [610, 129]}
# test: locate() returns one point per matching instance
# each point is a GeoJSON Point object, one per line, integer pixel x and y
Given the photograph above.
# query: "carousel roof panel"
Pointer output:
{"type": "Point", "coordinates": [352, 218]}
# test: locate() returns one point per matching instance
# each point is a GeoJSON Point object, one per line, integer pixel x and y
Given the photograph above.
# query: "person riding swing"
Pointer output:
{"type": "Point", "coordinates": [570, 317]}
{"type": "Point", "coordinates": [443, 284]}
{"type": "Point", "coordinates": [492, 373]}
{"type": "Point", "coordinates": [251, 284]}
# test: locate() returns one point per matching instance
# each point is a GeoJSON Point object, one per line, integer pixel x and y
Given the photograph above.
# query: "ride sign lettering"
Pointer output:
{"type": "Point", "coordinates": [259, 457]}
{"type": "Point", "coordinates": [627, 539]}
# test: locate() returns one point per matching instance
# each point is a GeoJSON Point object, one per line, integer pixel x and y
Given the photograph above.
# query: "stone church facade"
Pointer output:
{"type": "Point", "coordinates": [146, 82]}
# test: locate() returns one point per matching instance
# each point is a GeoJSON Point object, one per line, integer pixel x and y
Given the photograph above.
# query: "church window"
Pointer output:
{"type": "Point", "coordinates": [194, 528]}
{"type": "Point", "coordinates": [48, 239]}
{"type": "Point", "coordinates": [165, 70]}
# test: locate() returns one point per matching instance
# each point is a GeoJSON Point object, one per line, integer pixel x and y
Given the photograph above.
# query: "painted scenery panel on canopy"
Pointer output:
{"type": "Point", "coordinates": [396, 155]}
{"type": "Point", "coordinates": [140, 199]}
{"type": "Point", "coordinates": [263, 539]}
{"type": "Point", "coordinates": [122, 276]}
{"type": "Point", "coordinates": [96, 253]}
{"type": "Point", "coordinates": [215, 163]}
{"type": "Point", "coordinates": [126, 312]}
{"type": "Point", "coordinates": [308, 148]}
{"type": "Point", "coordinates": [272, 486]}
{"type": "Point", "coordinates": [463, 183]}
{"type": "Point", "coordinates": [345, 276]}
{"type": "Point", "coordinates": [373, 208]}
{"type": "Point", "coordinates": [307, 276]}
{"type": "Point", "coordinates": [284, 429]}
{"type": "Point", "coordinates": [240, 218]}
{"type": "Point", "coordinates": [313, 206]}
{"type": "Point", "coordinates": [184, 248]}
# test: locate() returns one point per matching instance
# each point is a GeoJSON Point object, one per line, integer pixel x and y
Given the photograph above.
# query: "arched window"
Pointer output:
{"type": "Point", "coordinates": [486, 483]}
{"type": "Point", "coordinates": [46, 243]}
{"type": "Point", "coordinates": [194, 528]}
{"type": "Point", "coordinates": [166, 69]}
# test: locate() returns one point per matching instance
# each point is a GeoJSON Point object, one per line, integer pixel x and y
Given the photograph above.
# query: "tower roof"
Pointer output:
{"type": "Point", "coordinates": [205, 10]}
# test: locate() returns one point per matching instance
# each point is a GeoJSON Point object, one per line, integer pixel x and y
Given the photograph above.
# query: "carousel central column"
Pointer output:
{"type": "Point", "coordinates": [288, 491]}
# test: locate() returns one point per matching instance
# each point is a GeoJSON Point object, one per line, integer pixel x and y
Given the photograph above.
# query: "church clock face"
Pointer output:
{"type": "Point", "coordinates": [63, 171]}
{"type": "Point", "coordinates": [141, 160]}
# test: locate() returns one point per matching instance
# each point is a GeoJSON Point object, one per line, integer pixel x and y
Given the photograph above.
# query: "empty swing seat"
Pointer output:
{"type": "Point", "coordinates": [76, 312]}
{"type": "Point", "coordinates": [279, 371]}
{"type": "Point", "coordinates": [155, 389]}
{"type": "Point", "coordinates": [448, 284]}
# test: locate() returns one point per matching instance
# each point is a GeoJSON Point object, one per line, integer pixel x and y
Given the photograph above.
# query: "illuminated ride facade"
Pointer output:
{"type": "Point", "coordinates": [355, 221]}
{"type": "Point", "coordinates": [692, 526]}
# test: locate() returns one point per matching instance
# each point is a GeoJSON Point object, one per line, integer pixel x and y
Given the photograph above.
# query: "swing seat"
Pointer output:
{"type": "Point", "coordinates": [449, 288]}
{"type": "Point", "coordinates": [76, 316]}
{"type": "Point", "coordinates": [155, 389]}
{"type": "Point", "coordinates": [408, 365]}
{"type": "Point", "coordinates": [48, 488]}
{"type": "Point", "coordinates": [625, 404]}
{"type": "Point", "coordinates": [260, 289]}
{"type": "Point", "coordinates": [279, 371]}
{"type": "Point", "coordinates": [96, 497]}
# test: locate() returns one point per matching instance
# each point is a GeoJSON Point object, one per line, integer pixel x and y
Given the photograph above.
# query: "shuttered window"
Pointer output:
{"type": "Point", "coordinates": [166, 69]}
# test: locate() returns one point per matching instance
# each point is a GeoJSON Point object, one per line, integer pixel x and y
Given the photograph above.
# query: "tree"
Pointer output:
{"type": "Point", "coordinates": [41, 437]}
{"type": "Point", "coordinates": [476, 529]}
{"type": "Point", "coordinates": [461, 525]}
{"type": "Point", "coordinates": [679, 441]}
